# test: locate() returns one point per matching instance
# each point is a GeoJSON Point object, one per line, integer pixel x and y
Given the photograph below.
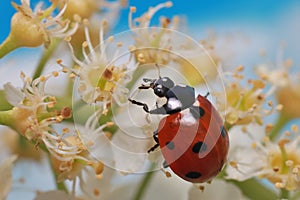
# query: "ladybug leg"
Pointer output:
{"type": "Point", "coordinates": [165, 164]}
{"type": "Point", "coordinates": [155, 137]}
{"type": "Point", "coordinates": [207, 94]}
{"type": "Point", "coordinates": [145, 107]}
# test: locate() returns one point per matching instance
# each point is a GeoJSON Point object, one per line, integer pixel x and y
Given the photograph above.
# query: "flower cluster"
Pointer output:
{"type": "Point", "coordinates": [245, 99]}
{"type": "Point", "coordinates": [100, 79]}
{"type": "Point", "coordinates": [31, 28]}
{"type": "Point", "coordinates": [278, 162]}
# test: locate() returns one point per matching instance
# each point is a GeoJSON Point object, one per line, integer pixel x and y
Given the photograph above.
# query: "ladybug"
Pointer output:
{"type": "Point", "coordinates": [192, 137]}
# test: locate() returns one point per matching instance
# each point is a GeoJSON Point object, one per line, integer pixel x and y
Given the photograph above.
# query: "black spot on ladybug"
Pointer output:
{"type": "Point", "coordinates": [170, 145]}
{"type": "Point", "coordinates": [199, 147]}
{"type": "Point", "coordinates": [193, 175]}
{"type": "Point", "coordinates": [197, 112]}
{"type": "Point", "coordinates": [223, 131]}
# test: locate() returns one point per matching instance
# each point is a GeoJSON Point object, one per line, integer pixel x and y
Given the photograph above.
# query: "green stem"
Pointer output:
{"type": "Point", "coordinates": [7, 46]}
{"type": "Point", "coordinates": [45, 57]}
{"type": "Point", "coordinates": [253, 189]}
{"type": "Point", "coordinates": [296, 196]}
{"type": "Point", "coordinates": [4, 105]}
{"type": "Point", "coordinates": [6, 118]}
{"type": "Point", "coordinates": [284, 194]}
{"type": "Point", "coordinates": [145, 182]}
{"type": "Point", "coordinates": [279, 124]}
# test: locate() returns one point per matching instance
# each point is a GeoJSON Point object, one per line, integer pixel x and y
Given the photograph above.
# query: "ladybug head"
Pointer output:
{"type": "Point", "coordinates": [162, 85]}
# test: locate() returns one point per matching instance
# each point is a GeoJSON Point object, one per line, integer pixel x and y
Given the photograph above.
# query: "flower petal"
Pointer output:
{"type": "Point", "coordinates": [13, 95]}
{"type": "Point", "coordinates": [6, 175]}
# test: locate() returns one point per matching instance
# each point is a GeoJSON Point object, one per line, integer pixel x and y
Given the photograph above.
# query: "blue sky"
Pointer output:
{"type": "Point", "coordinates": [203, 13]}
{"type": "Point", "coordinates": [270, 20]}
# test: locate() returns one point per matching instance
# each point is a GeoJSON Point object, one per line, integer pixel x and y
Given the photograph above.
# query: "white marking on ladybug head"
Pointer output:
{"type": "Point", "coordinates": [164, 79]}
{"type": "Point", "coordinates": [174, 103]}
{"type": "Point", "coordinates": [182, 85]}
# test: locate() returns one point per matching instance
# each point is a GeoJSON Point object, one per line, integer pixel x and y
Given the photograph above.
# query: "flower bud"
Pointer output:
{"type": "Point", "coordinates": [289, 97]}
{"type": "Point", "coordinates": [25, 31]}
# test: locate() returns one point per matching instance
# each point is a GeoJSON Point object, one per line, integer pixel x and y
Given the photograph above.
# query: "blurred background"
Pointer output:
{"type": "Point", "coordinates": [248, 27]}
{"type": "Point", "coordinates": [244, 29]}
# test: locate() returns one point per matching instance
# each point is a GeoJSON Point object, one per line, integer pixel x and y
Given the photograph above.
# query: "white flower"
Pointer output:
{"type": "Point", "coordinates": [245, 99]}
{"type": "Point", "coordinates": [278, 162]}
{"type": "Point", "coordinates": [152, 45]}
{"type": "Point", "coordinates": [102, 77]}
{"type": "Point", "coordinates": [34, 27]}
{"type": "Point", "coordinates": [6, 167]}
{"type": "Point", "coordinates": [285, 82]}
{"type": "Point", "coordinates": [32, 107]}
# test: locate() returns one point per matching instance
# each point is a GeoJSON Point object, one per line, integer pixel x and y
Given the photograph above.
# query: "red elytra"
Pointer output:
{"type": "Point", "coordinates": [192, 138]}
{"type": "Point", "coordinates": [195, 150]}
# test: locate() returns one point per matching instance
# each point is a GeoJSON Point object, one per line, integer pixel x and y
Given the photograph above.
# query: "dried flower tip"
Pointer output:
{"type": "Point", "coordinates": [283, 142]}
{"type": "Point", "coordinates": [65, 70]}
{"type": "Point", "coordinates": [66, 112]}
{"type": "Point", "coordinates": [168, 174]}
{"type": "Point", "coordinates": [77, 18]}
{"type": "Point", "coordinates": [86, 22]}
{"type": "Point", "coordinates": [131, 48]}
{"type": "Point", "coordinates": [22, 75]}
{"type": "Point", "coordinates": [96, 192]}
{"type": "Point", "coordinates": [111, 38]}
{"type": "Point", "coordinates": [244, 129]}
{"type": "Point", "coordinates": [108, 124]}
{"type": "Point", "coordinates": [269, 128]}
{"type": "Point", "coordinates": [68, 39]}
{"type": "Point", "coordinates": [42, 78]}
{"type": "Point", "coordinates": [288, 62]}
{"type": "Point", "coordinates": [85, 44]}
{"type": "Point", "coordinates": [169, 4]}
{"type": "Point", "coordinates": [258, 84]}
{"type": "Point", "coordinates": [279, 185]}
{"type": "Point", "coordinates": [289, 163]}
{"type": "Point", "coordinates": [98, 167]}
{"type": "Point", "coordinates": [119, 44]}
{"type": "Point", "coordinates": [233, 164]}
{"type": "Point", "coordinates": [266, 139]}
{"type": "Point", "coordinates": [108, 135]}
{"type": "Point", "coordinates": [295, 128]}
{"type": "Point", "coordinates": [201, 188]}
{"type": "Point", "coordinates": [295, 170]}
{"type": "Point", "coordinates": [279, 107]}
{"type": "Point", "coordinates": [141, 58]}
{"type": "Point", "coordinates": [287, 133]}
{"type": "Point", "coordinates": [270, 103]}
{"type": "Point", "coordinates": [132, 9]}
{"type": "Point", "coordinates": [59, 61]}
{"type": "Point", "coordinates": [51, 104]}
{"type": "Point", "coordinates": [55, 73]}
{"type": "Point", "coordinates": [66, 130]}
{"type": "Point", "coordinates": [240, 68]}
{"type": "Point", "coordinates": [104, 22]}
{"type": "Point", "coordinates": [72, 75]}
{"type": "Point", "coordinates": [276, 169]}
{"type": "Point", "coordinates": [90, 143]}
{"type": "Point", "coordinates": [254, 145]}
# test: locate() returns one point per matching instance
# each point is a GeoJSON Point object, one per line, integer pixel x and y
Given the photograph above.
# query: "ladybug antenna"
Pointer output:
{"type": "Point", "coordinates": [207, 94]}
{"type": "Point", "coordinates": [158, 69]}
